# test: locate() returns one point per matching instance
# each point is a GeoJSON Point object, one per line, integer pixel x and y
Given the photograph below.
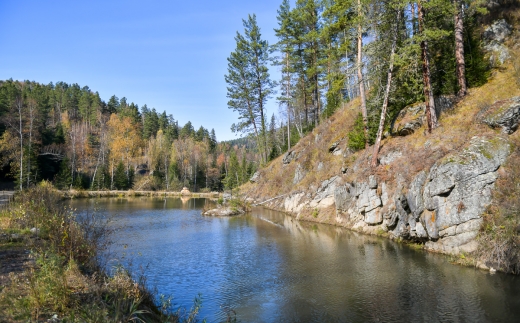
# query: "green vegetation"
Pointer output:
{"type": "Point", "coordinates": [65, 280]}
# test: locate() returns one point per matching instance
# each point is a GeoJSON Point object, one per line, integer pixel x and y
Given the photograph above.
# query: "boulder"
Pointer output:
{"type": "Point", "coordinates": [334, 146]}
{"type": "Point", "coordinates": [497, 32]}
{"type": "Point", "coordinates": [390, 157]}
{"type": "Point", "coordinates": [288, 157]}
{"type": "Point", "coordinates": [255, 177]}
{"type": "Point", "coordinates": [299, 174]}
{"type": "Point", "coordinates": [494, 37]}
{"type": "Point", "coordinates": [325, 193]}
{"type": "Point", "coordinates": [224, 211]}
{"type": "Point", "coordinates": [185, 191]}
{"type": "Point", "coordinates": [503, 114]}
{"type": "Point", "coordinates": [413, 117]}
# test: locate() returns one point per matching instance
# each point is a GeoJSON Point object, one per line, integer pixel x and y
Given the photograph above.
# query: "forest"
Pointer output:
{"type": "Point", "coordinates": [67, 134]}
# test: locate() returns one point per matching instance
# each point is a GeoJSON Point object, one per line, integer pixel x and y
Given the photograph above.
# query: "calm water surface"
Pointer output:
{"type": "Point", "coordinates": [270, 268]}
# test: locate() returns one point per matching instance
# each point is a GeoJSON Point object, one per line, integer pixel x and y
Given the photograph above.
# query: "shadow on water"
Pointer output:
{"type": "Point", "coordinates": [269, 267]}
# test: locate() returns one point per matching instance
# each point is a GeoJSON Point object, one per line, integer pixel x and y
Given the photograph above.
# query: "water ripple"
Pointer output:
{"type": "Point", "coordinates": [270, 268]}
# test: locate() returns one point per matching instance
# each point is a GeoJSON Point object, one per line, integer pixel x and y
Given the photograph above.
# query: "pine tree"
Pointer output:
{"type": "Point", "coordinates": [232, 179]}
{"type": "Point", "coordinates": [249, 83]}
{"type": "Point", "coordinates": [85, 105]}
{"type": "Point", "coordinates": [63, 179]}
{"type": "Point", "coordinates": [113, 104]}
{"type": "Point", "coordinates": [120, 177]}
{"type": "Point", "coordinates": [285, 34]}
{"type": "Point", "coordinates": [212, 141]}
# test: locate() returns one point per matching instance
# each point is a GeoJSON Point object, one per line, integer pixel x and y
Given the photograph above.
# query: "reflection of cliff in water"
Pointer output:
{"type": "Point", "coordinates": [376, 278]}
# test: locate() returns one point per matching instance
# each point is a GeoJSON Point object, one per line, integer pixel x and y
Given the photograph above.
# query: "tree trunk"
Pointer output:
{"type": "Point", "coordinates": [431, 115]}
{"type": "Point", "coordinates": [287, 94]}
{"type": "Point", "coordinates": [387, 93]}
{"type": "Point", "coordinates": [360, 75]}
{"type": "Point", "coordinates": [459, 48]}
{"type": "Point", "coordinates": [31, 123]}
{"type": "Point", "coordinates": [19, 106]}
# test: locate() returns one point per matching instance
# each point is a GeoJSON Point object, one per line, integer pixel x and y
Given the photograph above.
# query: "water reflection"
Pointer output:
{"type": "Point", "coordinates": [271, 268]}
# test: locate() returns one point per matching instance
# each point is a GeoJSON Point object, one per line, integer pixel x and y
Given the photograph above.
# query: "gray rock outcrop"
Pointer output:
{"type": "Point", "coordinates": [413, 117]}
{"type": "Point", "coordinates": [255, 177]}
{"type": "Point", "coordinates": [494, 37]}
{"type": "Point", "coordinates": [441, 206]}
{"type": "Point", "coordinates": [299, 174]}
{"type": "Point", "coordinates": [289, 157]}
{"type": "Point", "coordinates": [505, 115]}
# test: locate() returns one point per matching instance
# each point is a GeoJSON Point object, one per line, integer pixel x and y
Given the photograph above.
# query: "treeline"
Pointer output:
{"type": "Point", "coordinates": [385, 53]}
{"type": "Point", "coordinates": [67, 134]}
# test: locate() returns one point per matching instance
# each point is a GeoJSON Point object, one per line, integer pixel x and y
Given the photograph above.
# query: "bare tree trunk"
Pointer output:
{"type": "Point", "coordinates": [112, 175]}
{"type": "Point", "coordinates": [195, 177]}
{"type": "Point", "coordinates": [431, 116]}
{"type": "Point", "coordinates": [360, 75]}
{"type": "Point", "coordinates": [387, 93]}
{"type": "Point", "coordinates": [347, 74]}
{"type": "Point", "coordinates": [288, 97]}
{"type": "Point", "coordinates": [31, 124]}
{"type": "Point", "coordinates": [305, 103]}
{"type": "Point", "coordinates": [19, 107]}
{"type": "Point", "coordinates": [459, 48]}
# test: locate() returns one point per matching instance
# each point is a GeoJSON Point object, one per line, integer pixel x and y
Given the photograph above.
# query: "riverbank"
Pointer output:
{"type": "Point", "coordinates": [50, 270]}
{"type": "Point", "coordinates": [131, 193]}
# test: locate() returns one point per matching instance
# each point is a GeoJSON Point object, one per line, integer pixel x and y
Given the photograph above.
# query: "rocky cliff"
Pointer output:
{"type": "Point", "coordinates": [429, 188]}
{"type": "Point", "coordinates": [441, 206]}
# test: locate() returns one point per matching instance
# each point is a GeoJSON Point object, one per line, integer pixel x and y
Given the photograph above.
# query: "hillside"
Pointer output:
{"type": "Point", "coordinates": [453, 191]}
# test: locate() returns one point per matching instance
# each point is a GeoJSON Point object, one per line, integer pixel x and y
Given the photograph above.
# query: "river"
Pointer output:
{"type": "Point", "coordinates": [268, 267]}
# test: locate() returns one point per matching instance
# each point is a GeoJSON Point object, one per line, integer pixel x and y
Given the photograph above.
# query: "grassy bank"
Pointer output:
{"type": "Point", "coordinates": [50, 270]}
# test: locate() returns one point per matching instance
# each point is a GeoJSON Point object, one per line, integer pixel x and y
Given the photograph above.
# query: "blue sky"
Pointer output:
{"type": "Point", "coordinates": [170, 55]}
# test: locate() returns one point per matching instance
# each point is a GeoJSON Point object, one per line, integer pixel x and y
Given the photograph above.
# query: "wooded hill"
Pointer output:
{"type": "Point", "coordinates": [67, 134]}
{"type": "Point", "coordinates": [386, 53]}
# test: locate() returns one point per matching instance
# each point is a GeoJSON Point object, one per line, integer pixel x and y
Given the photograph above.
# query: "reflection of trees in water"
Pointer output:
{"type": "Point", "coordinates": [330, 273]}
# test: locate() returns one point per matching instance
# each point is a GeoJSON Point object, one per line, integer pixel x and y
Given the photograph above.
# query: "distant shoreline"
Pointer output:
{"type": "Point", "coordinates": [130, 193]}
